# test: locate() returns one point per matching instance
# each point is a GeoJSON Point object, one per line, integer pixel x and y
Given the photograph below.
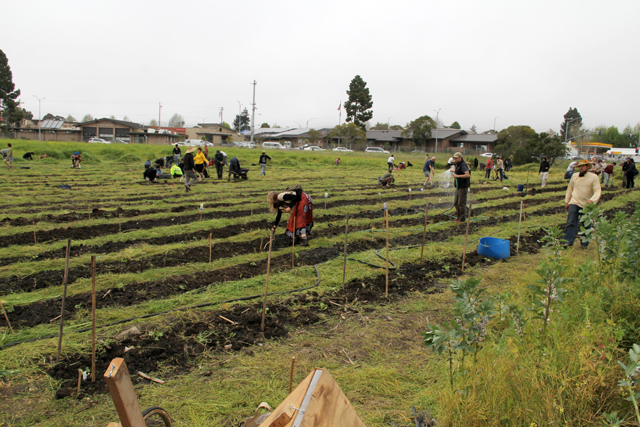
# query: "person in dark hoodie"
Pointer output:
{"type": "Point", "coordinates": [263, 163]}
{"type": "Point", "coordinates": [218, 161]}
{"type": "Point", "coordinates": [631, 173]}
{"type": "Point", "coordinates": [189, 169]}
{"type": "Point", "coordinates": [544, 171]}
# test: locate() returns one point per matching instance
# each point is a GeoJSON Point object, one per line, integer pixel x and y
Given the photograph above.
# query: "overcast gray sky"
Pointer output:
{"type": "Point", "coordinates": [524, 62]}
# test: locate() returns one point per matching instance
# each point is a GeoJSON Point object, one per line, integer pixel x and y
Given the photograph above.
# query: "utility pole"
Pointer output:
{"type": "Point", "coordinates": [437, 115]}
{"type": "Point", "coordinates": [253, 110]}
{"type": "Point", "coordinates": [221, 119]}
{"type": "Point", "coordinates": [159, 111]}
{"type": "Point", "coordinates": [39, 116]}
{"type": "Point", "coordinates": [340, 113]}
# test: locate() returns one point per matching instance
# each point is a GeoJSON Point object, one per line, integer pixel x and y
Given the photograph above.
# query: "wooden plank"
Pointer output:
{"type": "Point", "coordinates": [294, 399]}
{"type": "Point", "coordinates": [123, 395]}
{"type": "Point", "coordinates": [325, 405]}
{"type": "Point", "coordinates": [329, 407]}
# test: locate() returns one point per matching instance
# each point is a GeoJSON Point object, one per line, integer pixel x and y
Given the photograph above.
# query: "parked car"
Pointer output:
{"type": "Point", "coordinates": [118, 141]}
{"type": "Point", "coordinates": [98, 140]}
{"type": "Point", "coordinates": [273, 145]}
{"type": "Point", "coordinates": [313, 148]}
{"type": "Point", "coordinates": [343, 149]}
{"type": "Point", "coordinates": [375, 150]}
{"type": "Point", "coordinates": [487, 154]}
{"type": "Point", "coordinates": [302, 147]}
{"type": "Point", "coordinates": [195, 142]}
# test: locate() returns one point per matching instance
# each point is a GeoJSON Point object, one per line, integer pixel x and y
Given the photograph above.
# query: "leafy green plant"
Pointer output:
{"type": "Point", "coordinates": [630, 372]}
{"type": "Point", "coordinates": [156, 335]}
{"type": "Point", "coordinates": [548, 291]}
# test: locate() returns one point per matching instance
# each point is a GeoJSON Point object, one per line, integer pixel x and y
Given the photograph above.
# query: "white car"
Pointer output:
{"type": "Point", "coordinates": [118, 141]}
{"type": "Point", "coordinates": [98, 140]}
{"type": "Point", "coordinates": [375, 150]}
{"type": "Point", "coordinates": [343, 149]}
{"type": "Point", "coordinates": [313, 148]}
{"type": "Point", "coordinates": [486, 154]}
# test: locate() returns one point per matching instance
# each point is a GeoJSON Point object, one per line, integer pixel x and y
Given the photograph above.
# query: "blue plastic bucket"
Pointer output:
{"type": "Point", "coordinates": [520, 187]}
{"type": "Point", "coordinates": [494, 248]}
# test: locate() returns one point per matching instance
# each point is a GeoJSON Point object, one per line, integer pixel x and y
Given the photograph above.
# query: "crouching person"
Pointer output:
{"type": "Point", "coordinates": [300, 205]}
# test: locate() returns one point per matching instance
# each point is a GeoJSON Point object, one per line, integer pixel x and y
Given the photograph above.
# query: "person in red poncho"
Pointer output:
{"type": "Point", "coordinates": [300, 205]}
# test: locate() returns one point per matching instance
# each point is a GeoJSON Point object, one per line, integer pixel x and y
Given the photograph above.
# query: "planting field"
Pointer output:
{"type": "Point", "coordinates": [192, 281]}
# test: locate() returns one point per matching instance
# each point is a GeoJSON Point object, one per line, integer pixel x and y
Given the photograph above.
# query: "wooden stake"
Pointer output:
{"type": "Point", "coordinates": [519, 224]}
{"type": "Point", "coordinates": [119, 224]}
{"type": "Point", "coordinates": [424, 232]}
{"type": "Point", "coordinates": [34, 233]}
{"type": "Point", "coordinates": [293, 362]}
{"type": "Point", "coordinates": [293, 242]}
{"type": "Point", "coordinates": [79, 379]}
{"type": "Point", "coordinates": [64, 296]}
{"type": "Point", "coordinates": [5, 316]}
{"type": "Point", "coordinates": [261, 241]}
{"type": "Point", "coordinates": [210, 247]}
{"type": "Point", "coordinates": [466, 237]}
{"type": "Point", "coordinates": [344, 266]}
{"type": "Point", "coordinates": [93, 318]}
{"type": "Point", "coordinates": [386, 215]}
{"type": "Point", "coordinates": [266, 286]}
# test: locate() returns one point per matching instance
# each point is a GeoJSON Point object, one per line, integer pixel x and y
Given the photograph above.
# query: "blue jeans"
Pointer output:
{"type": "Point", "coordinates": [573, 225]}
{"type": "Point", "coordinates": [264, 169]}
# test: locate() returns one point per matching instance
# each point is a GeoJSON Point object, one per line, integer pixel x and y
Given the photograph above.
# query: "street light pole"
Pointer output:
{"type": "Point", "coordinates": [253, 111]}
{"type": "Point", "coordinates": [437, 115]}
{"type": "Point", "coordinates": [389, 122]}
{"type": "Point", "coordinates": [309, 121]}
{"type": "Point", "coordinates": [239, 115]}
{"type": "Point", "coordinates": [39, 116]}
{"type": "Point", "coordinates": [494, 123]}
{"type": "Point", "coordinates": [297, 124]}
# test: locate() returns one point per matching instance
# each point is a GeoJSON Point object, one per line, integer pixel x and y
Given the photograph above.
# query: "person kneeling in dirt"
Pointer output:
{"type": "Point", "coordinates": [300, 205]}
{"type": "Point", "coordinates": [76, 158]}
{"type": "Point", "coordinates": [234, 167]}
{"type": "Point", "coordinates": [28, 155]}
{"type": "Point", "coordinates": [150, 175]}
{"type": "Point", "coordinates": [386, 180]}
{"type": "Point", "coordinates": [176, 172]}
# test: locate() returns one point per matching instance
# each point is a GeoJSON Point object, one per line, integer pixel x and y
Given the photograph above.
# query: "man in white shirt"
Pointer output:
{"type": "Point", "coordinates": [390, 163]}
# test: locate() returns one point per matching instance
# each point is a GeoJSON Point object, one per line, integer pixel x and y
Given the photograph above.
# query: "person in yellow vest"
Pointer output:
{"type": "Point", "coordinates": [176, 172]}
{"type": "Point", "coordinates": [200, 160]}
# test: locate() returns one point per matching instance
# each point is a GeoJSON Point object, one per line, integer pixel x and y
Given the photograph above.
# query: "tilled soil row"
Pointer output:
{"type": "Point", "coordinates": [212, 333]}
{"type": "Point", "coordinates": [102, 204]}
{"type": "Point", "coordinates": [44, 279]}
{"type": "Point", "coordinates": [86, 232]}
{"type": "Point", "coordinates": [43, 311]}
{"type": "Point", "coordinates": [49, 278]}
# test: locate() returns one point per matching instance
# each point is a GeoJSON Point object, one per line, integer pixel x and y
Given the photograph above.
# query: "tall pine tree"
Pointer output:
{"type": "Point", "coordinates": [9, 106]}
{"type": "Point", "coordinates": [359, 104]}
{"type": "Point", "coordinates": [572, 120]}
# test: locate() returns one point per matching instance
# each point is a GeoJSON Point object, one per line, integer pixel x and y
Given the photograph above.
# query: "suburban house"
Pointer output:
{"type": "Point", "coordinates": [292, 138]}
{"type": "Point", "coordinates": [212, 132]}
{"type": "Point", "coordinates": [442, 140]}
{"type": "Point", "coordinates": [49, 130]}
{"type": "Point", "coordinates": [127, 131]}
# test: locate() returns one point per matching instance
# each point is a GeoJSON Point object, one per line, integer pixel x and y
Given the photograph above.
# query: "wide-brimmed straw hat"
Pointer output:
{"type": "Point", "coordinates": [191, 149]}
{"type": "Point", "coordinates": [271, 198]}
{"type": "Point", "coordinates": [584, 162]}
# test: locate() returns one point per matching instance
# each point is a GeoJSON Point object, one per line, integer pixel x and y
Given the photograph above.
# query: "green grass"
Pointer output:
{"type": "Point", "coordinates": [391, 368]}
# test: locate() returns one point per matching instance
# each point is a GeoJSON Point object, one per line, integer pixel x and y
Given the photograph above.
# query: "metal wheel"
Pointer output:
{"type": "Point", "coordinates": [156, 416]}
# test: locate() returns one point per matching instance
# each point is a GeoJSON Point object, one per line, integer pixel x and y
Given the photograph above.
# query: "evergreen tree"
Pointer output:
{"type": "Point", "coordinates": [87, 118]}
{"type": "Point", "coordinates": [359, 104]}
{"type": "Point", "coordinates": [455, 125]}
{"type": "Point", "coordinates": [573, 120]}
{"type": "Point", "coordinates": [242, 122]}
{"type": "Point", "coordinates": [9, 105]}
